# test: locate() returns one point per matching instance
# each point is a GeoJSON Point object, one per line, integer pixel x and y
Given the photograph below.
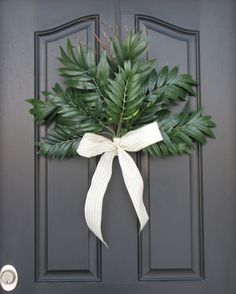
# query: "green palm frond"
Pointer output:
{"type": "Point", "coordinates": [76, 109]}
{"type": "Point", "coordinates": [80, 70]}
{"type": "Point", "coordinates": [132, 48]}
{"type": "Point", "coordinates": [124, 96]}
{"type": "Point", "coordinates": [181, 132]}
{"type": "Point", "coordinates": [42, 110]}
{"type": "Point", "coordinates": [60, 142]}
{"type": "Point", "coordinates": [168, 86]}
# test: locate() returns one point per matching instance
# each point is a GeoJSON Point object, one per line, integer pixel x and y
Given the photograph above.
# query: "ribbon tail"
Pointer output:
{"type": "Point", "coordinates": [134, 183]}
{"type": "Point", "coordinates": [94, 200]}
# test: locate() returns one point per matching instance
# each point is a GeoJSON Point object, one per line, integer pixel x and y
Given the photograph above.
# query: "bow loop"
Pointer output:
{"type": "Point", "coordinates": [136, 140]}
{"type": "Point", "coordinates": [93, 145]}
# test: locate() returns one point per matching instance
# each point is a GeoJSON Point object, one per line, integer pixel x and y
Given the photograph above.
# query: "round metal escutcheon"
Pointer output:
{"type": "Point", "coordinates": [8, 278]}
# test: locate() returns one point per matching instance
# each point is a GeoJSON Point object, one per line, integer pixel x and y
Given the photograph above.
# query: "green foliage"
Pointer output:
{"type": "Point", "coordinates": [114, 92]}
{"type": "Point", "coordinates": [181, 131]}
{"type": "Point", "coordinates": [60, 142]}
{"type": "Point", "coordinates": [42, 110]}
{"type": "Point", "coordinates": [124, 96]}
{"type": "Point", "coordinates": [168, 86]}
{"type": "Point", "coordinates": [131, 49]}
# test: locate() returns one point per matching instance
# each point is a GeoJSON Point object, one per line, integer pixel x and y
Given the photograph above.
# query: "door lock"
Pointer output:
{"type": "Point", "coordinates": [8, 277]}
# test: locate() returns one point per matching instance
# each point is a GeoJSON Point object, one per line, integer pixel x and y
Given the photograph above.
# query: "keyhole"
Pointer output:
{"type": "Point", "coordinates": [8, 277]}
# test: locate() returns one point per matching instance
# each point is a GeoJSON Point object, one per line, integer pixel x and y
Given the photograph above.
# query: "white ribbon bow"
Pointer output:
{"type": "Point", "coordinates": [93, 145]}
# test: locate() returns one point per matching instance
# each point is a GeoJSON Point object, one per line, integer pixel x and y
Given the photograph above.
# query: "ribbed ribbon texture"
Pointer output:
{"type": "Point", "coordinates": [92, 145]}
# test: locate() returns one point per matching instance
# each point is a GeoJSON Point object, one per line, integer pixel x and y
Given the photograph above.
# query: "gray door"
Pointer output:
{"type": "Point", "coordinates": [189, 245]}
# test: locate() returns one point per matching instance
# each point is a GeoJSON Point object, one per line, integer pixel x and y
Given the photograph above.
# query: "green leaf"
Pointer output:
{"type": "Point", "coordinates": [59, 143]}
{"type": "Point", "coordinates": [91, 61]}
{"type": "Point", "coordinates": [81, 56]}
{"type": "Point", "coordinates": [42, 110]}
{"type": "Point", "coordinates": [162, 76]}
{"type": "Point", "coordinates": [80, 84]}
{"type": "Point", "coordinates": [103, 70]}
{"type": "Point", "coordinates": [152, 80]}
{"type": "Point", "coordinates": [70, 51]}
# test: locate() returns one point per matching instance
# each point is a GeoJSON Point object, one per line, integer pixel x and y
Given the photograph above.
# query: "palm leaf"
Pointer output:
{"type": "Point", "coordinates": [60, 142]}
{"type": "Point", "coordinates": [131, 49]}
{"type": "Point", "coordinates": [42, 110]}
{"type": "Point", "coordinates": [80, 70]}
{"type": "Point", "coordinates": [75, 110]}
{"type": "Point", "coordinates": [169, 87]}
{"type": "Point", "coordinates": [124, 95]}
{"type": "Point", "coordinates": [181, 132]}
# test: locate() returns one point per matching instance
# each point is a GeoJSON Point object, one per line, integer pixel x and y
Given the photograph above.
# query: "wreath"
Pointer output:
{"type": "Point", "coordinates": [113, 93]}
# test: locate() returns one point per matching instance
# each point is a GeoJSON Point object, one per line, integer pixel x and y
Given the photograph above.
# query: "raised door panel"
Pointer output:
{"type": "Point", "coordinates": [65, 249]}
{"type": "Point", "coordinates": [171, 248]}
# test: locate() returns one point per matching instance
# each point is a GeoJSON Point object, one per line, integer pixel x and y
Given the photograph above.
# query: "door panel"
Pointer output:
{"type": "Point", "coordinates": [189, 245]}
{"type": "Point", "coordinates": [62, 185]}
{"type": "Point", "coordinates": [172, 245]}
